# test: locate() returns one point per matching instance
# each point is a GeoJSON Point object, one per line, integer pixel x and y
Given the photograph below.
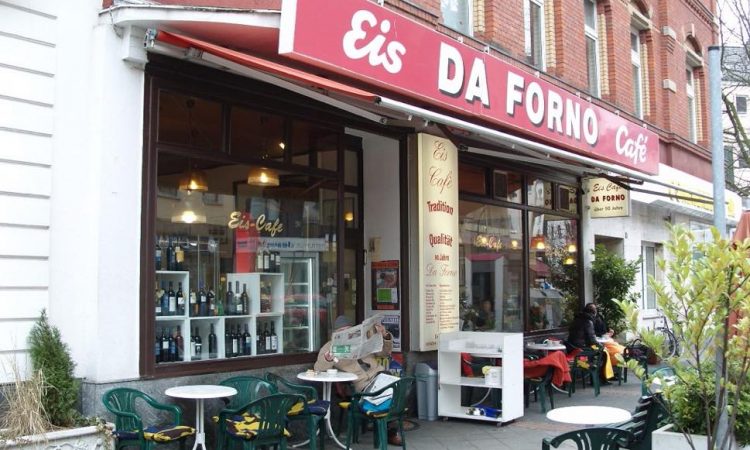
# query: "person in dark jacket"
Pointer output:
{"type": "Point", "coordinates": [581, 331]}
{"type": "Point", "coordinates": [600, 325]}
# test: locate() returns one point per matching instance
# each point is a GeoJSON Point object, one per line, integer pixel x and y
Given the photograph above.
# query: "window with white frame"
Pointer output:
{"type": "Point", "coordinates": [457, 15]}
{"type": "Point", "coordinates": [648, 270]}
{"type": "Point", "coordinates": [740, 103]}
{"type": "Point", "coordinates": [534, 32]}
{"type": "Point", "coordinates": [691, 108]}
{"type": "Point", "coordinates": [635, 61]}
{"type": "Point", "coordinates": [592, 46]}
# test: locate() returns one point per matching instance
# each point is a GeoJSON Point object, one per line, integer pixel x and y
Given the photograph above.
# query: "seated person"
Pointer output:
{"type": "Point", "coordinates": [486, 316]}
{"type": "Point", "coordinates": [602, 330]}
{"type": "Point", "coordinates": [365, 368]}
{"type": "Point", "coordinates": [581, 335]}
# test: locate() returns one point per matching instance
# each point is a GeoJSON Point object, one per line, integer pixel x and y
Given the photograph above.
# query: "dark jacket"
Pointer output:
{"type": "Point", "coordinates": [581, 331]}
{"type": "Point", "coordinates": [600, 326]}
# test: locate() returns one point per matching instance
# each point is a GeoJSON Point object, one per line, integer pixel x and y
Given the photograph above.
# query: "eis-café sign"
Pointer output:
{"type": "Point", "coordinates": [366, 41]}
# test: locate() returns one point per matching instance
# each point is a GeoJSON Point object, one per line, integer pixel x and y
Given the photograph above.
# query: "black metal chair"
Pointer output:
{"type": "Point", "coordinates": [601, 438]}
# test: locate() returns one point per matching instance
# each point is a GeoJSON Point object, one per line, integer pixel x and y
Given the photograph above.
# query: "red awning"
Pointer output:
{"type": "Point", "coordinates": [300, 77]}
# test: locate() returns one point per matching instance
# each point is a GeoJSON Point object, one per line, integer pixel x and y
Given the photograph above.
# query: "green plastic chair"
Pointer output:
{"type": "Point", "coordinates": [541, 388]}
{"type": "Point", "coordinates": [592, 439]}
{"type": "Point", "coordinates": [648, 416]}
{"type": "Point", "coordinates": [312, 410]}
{"type": "Point", "coordinates": [248, 388]}
{"type": "Point", "coordinates": [261, 422]}
{"type": "Point", "coordinates": [358, 412]}
{"type": "Point", "coordinates": [594, 358]}
{"type": "Point", "coordinates": [126, 403]}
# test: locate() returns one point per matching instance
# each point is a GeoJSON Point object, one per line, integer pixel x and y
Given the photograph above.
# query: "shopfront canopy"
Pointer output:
{"type": "Point", "coordinates": [388, 111]}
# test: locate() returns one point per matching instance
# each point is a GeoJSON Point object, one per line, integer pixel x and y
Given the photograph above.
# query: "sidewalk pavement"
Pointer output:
{"type": "Point", "coordinates": [525, 433]}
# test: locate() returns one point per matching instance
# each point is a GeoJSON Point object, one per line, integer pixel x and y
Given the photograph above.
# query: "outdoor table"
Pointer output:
{"type": "Point", "coordinates": [199, 393]}
{"type": "Point", "coordinates": [328, 380]}
{"type": "Point", "coordinates": [546, 347]}
{"type": "Point", "coordinates": [588, 415]}
{"type": "Point", "coordinates": [603, 339]}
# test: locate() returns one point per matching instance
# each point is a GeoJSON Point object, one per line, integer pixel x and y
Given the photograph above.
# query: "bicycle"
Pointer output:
{"type": "Point", "coordinates": [670, 347]}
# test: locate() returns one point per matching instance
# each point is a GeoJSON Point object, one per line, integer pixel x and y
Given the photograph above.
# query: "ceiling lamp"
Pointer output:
{"type": "Point", "coordinates": [572, 248]}
{"type": "Point", "coordinates": [188, 211]}
{"type": "Point", "coordinates": [193, 180]}
{"type": "Point", "coordinates": [349, 216]}
{"type": "Point", "coordinates": [537, 243]}
{"type": "Point", "coordinates": [262, 176]}
{"type": "Point", "coordinates": [569, 261]}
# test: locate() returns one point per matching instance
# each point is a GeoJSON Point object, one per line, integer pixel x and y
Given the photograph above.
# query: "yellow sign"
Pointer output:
{"type": "Point", "coordinates": [243, 221]}
{"type": "Point", "coordinates": [606, 199]}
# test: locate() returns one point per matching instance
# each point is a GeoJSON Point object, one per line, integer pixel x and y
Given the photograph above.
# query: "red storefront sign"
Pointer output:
{"type": "Point", "coordinates": [363, 40]}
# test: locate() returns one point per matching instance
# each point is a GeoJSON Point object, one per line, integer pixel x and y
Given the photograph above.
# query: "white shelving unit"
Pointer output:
{"type": "Point", "coordinates": [507, 347]}
{"type": "Point", "coordinates": [255, 320]}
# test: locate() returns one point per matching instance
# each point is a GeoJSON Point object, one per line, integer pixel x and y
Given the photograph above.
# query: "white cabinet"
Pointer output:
{"type": "Point", "coordinates": [505, 348]}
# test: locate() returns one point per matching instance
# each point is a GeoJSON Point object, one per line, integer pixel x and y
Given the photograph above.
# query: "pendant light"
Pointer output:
{"type": "Point", "coordinates": [262, 176]}
{"type": "Point", "coordinates": [189, 210]}
{"type": "Point", "coordinates": [537, 243]}
{"type": "Point", "coordinates": [193, 180]}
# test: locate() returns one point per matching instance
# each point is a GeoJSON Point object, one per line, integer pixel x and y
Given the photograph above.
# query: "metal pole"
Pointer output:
{"type": "Point", "coordinates": [722, 439]}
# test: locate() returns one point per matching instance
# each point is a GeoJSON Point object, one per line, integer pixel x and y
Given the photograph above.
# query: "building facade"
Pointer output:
{"type": "Point", "coordinates": [244, 171]}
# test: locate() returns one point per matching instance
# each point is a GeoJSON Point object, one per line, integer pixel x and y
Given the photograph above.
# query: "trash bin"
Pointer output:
{"type": "Point", "coordinates": [427, 386]}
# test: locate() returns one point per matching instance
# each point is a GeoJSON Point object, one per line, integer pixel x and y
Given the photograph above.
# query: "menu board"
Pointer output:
{"type": "Point", "coordinates": [438, 239]}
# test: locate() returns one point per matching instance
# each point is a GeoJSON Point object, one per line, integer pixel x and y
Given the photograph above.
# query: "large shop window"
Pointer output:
{"type": "Point", "coordinates": [245, 255]}
{"type": "Point", "coordinates": [523, 218]}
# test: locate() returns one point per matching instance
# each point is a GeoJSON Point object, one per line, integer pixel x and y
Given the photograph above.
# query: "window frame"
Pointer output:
{"type": "Point", "coordinates": [468, 28]}
{"type": "Point", "coordinates": [164, 73]}
{"type": "Point", "coordinates": [692, 109]}
{"type": "Point", "coordinates": [528, 35]}
{"type": "Point", "coordinates": [737, 106]}
{"type": "Point", "coordinates": [636, 64]}
{"type": "Point", "coordinates": [592, 34]}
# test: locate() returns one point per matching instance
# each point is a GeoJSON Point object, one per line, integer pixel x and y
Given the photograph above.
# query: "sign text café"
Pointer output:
{"type": "Point", "coordinates": [366, 41]}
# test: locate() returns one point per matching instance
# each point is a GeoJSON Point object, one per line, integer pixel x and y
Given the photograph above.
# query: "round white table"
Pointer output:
{"type": "Point", "coordinates": [588, 415]}
{"type": "Point", "coordinates": [328, 380]}
{"type": "Point", "coordinates": [199, 393]}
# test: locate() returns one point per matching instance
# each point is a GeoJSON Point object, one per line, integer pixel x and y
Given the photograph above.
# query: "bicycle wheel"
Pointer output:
{"type": "Point", "coordinates": [669, 347]}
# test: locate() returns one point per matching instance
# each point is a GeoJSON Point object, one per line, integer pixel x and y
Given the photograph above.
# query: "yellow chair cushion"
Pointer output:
{"type": "Point", "coordinates": [167, 434]}
{"type": "Point", "coordinates": [247, 428]}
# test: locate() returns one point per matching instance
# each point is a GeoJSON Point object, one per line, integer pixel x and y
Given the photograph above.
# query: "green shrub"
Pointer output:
{"type": "Point", "coordinates": [51, 356]}
{"type": "Point", "coordinates": [613, 277]}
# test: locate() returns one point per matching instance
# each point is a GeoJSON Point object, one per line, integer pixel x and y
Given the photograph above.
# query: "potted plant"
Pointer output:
{"type": "Point", "coordinates": [613, 277]}
{"type": "Point", "coordinates": [707, 284]}
{"type": "Point", "coordinates": [41, 409]}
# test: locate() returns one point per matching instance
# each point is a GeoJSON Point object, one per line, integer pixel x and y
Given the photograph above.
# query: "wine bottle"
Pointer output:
{"type": "Point", "coordinates": [259, 341]}
{"type": "Point", "coordinates": [230, 300]}
{"type": "Point", "coordinates": [278, 262]}
{"type": "Point", "coordinates": [197, 353]}
{"type": "Point", "coordinates": [228, 341]}
{"type": "Point", "coordinates": [179, 257]}
{"type": "Point", "coordinates": [167, 345]}
{"type": "Point", "coordinates": [237, 300]}
{"type": "Point", "coordinates": [157, 260]}
{"type": "Point", "coordinates": [157, 348]}
{"type": "Point", "coordinates": [245, 299]}
{"type": "Point", "coordinates": [157, 301]}
{"type": "Point", "coordinates": [202, 307]}
{"type": "Point", "coordinates": [266, 338]}
{"type": "Point", "coordinates": [180, 300]}
{"type": "Point", "coordinates": [170, 255]}
{"type": "Point", "coordinates": [236, 342]}
{"type": "Point", "coordinates": [259, 260]}
{"type": "Point", "coordinates": [274, 339]}
{"type": "Point", "coordinates": [179, 344]}
{"type": "Point", "coordinates": [193, 303]}
{"type": "Point", "coordinates": [211, 299]}
{"type": "Point", "coordinates": [247, 343]}
{"type": "Point", "coordinates": [164, 301]}
{"type": "Point", "coordinates": [212, 344]}
{"type": "Point", "coordinates": [172, 299]}
{"type": "Point", "coordinates": [271, 261]}
{"type": "Point", "coordinates": [266, 261]}
{"type": "Point", "coordinates": [192, 346]}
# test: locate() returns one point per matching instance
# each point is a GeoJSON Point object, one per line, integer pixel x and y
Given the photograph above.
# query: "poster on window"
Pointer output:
{"type": "Point", "coordinates": [392, 323]}
{"type": "Point", "coordinates": [385, 285]}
